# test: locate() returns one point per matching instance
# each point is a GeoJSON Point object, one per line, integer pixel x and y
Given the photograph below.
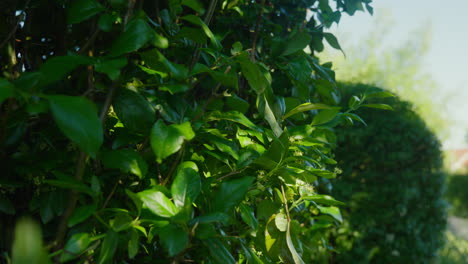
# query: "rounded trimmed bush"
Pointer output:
{"type": "Point", "coordinates": [393, 182]}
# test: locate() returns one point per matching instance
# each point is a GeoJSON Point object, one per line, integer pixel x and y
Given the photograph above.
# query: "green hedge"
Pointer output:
{"type": "Point", "coordinates": [457, 195]}
{"type": "Point", "coordinates": [392, 180]}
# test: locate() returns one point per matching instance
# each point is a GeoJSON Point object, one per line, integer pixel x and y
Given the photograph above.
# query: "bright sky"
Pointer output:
{"type": "Point", "coordinates": [447, 59]}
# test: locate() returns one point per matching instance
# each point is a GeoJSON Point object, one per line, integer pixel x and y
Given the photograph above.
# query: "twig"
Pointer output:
{"type": "Point", "coordinates": [285, 204]}
{"type": "Point", "coordinates": [13, 31]}
{"type": "Point", "coordinates": [174, 165]}
{"type": "Point", "coordinates": [257, 30]}
{"type": "Point", "coordinates": [90, 41]}
{"type": "Point", "coordinates": [110, 195]}
{"type": "Point", "coordinates": [72, 200]}
{"type": "Point", "coordinates": [230, 174]}
{"type": "Point", "coordinates": [131, 5]}
{"type": "Point", "coordinates": [80, 168]}
{"type": "Point", "coordinates": [207, 20]}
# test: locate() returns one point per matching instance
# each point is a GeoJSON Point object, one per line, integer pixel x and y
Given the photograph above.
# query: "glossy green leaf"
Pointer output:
{"type": "Point", "coordinates": [187, 184]}
{"type": "Point", "coordinates": [133, 243]}
{"type": "Point", "coordinates": [323, 199]}
{"type": "Point", "coordinates": [305, 107]}
{"type": "Point", "coordinates": [80, 214]}
{"type": "Point", "coordinates": [134, 111]}
{"type": "Point", "coordinates": [77, 119]}
{"type": "Point", "coordinates": [158, 203]}
{"type": "Point", "coordinates": [197, 21]}
{"type": "Point", "coordinates": [325, 116]}
{"type": "Point", "coordinates": [218, 251]}
{"type": "Point", "coordinates": [27, 243]}
{"type": "Point", "coordinates": [80, 10]}
{"type": "Point", "coordinates": [174, 239]}
{"type": "Point", "coordinates": [6, 90]}
{"type": "Point", "coordinates": [126, 160]}
{"type": "Point", "coordinates": [297, 42]}
{"type": "Point", "coordinates": [108, 248]}
{"type": "Point", "coordinates": [332, 211]}
{"type": "Point", "coordinates": [231, 193]}
{"type": "Point", "coordinates": [233, 116]}
{"type": "Point", "coordinates": [356, 118]}
{"type": "Point", "coordinates": [271, 119]}
{"type": "Point", "coordinates": [378, 106]}
{"type": "Point", "coordinates": [75, 246]}
{"type": "Point", "coordinates": [137, 33]}
{"type": "Point", "coordinates": [111, 67]}
{"type": "Point", "coordinates": [167, 140]}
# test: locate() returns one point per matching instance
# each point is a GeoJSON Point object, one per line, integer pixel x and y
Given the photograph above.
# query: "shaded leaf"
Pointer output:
{"type": "Point", "coordinates": [80, 10]}
{"type": "Point", "coordinates": [297, 42]}
{"type": "Point", "coordinates": [75, 246]}
{"type": "Point", "coordinates": [231, 193]}
{"type": "Point", "coordinates": [80, 214]}
{"type": "Point", "coordinates": [77, 119]}
{"type": "Point", "coordinates": [111, 67]}
{"type": "Point", "coordinates": [219, 252]}
{"type": "Point", "coordinates": [6, 90]}
{"type": "Point", "coordinates": [174, 239]}
{"type": "Point", "coordinates": [127, 160]}
{"type": "Point", "coordinates": [108, 248]}
{"type": "Point", "coordinates": [197, 21]}
{"type": "Point", "coordinates": [135, 36]}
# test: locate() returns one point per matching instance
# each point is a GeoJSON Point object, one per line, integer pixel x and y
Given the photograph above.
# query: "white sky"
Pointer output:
{"type": "Point", "coordinates": [447, 59]}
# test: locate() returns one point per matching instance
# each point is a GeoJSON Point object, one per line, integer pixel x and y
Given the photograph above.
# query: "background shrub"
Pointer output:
{"type": "Point", "coordinates": [457, 195]}
{"type": "Point", "coordinates": [392, 180]}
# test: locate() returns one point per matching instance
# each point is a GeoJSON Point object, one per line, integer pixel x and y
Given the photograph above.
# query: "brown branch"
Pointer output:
{"type": "Point", "coordinates": [13, 31]}
{"type": "Point", "coordinates": [257, 30]}
{"type": "Point", "coordinates": [207, 20]}
{"type": "Point", "coordinates": [79, 172]}
{"type": "Point", "coordinates": [72, 200]}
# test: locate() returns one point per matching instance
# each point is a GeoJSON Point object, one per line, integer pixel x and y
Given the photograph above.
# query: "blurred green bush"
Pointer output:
{"type": "Point", "coordinates": [392, 177]}
{"type": "Point", "coordinates": [457, 194]}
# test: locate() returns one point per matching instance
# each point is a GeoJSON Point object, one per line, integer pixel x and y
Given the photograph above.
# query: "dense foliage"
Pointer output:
{"type": "Point", "coordinates": [393, 181]}
{"type": "Point", "coordinates": [167, 131]}
{"type": "Point", "coordinates": [457, 195]}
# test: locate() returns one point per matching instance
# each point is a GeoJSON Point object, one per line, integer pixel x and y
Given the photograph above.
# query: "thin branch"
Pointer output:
{"type": "Point", "coordinates": [285, 204]}
{"type": "Point", "coordinates": [231, 174]}
{"type": "Point", "coordinates": [13, 31]}
{"type": "Point", "coordinates": [72, 200]}
{"type": "Point", "coordinates": [207, 20]}
{"type": "Point", "coordinates": [257, 30]}
{"type": "Point", "coordinates": [90, 41]}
